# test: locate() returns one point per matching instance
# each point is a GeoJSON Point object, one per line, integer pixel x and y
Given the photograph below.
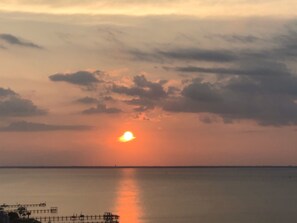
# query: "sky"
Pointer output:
{"type": "Point", "coordinates": [198, 82]}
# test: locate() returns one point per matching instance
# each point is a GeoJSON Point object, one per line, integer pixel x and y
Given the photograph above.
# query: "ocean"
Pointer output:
{"type": "Point", "coordinates": [160, 195]}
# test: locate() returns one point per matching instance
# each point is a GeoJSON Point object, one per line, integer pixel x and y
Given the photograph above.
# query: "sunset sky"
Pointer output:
{"type": "Point", "coordinates": [198, 82]}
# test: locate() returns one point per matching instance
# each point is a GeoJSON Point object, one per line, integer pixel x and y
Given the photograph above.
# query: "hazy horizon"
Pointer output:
{"type": "Point", "coordinates": [144, 167]}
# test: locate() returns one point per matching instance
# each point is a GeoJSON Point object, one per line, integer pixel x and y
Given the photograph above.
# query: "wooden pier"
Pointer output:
{"type": "Point", "coordinates": [107, 217]}
{"type": "Point", "coordinates": [52, 210]}
{"type": "Point", "coordinates": [24, 212]}
{"type": "Point", "coordinates": [23, 205]}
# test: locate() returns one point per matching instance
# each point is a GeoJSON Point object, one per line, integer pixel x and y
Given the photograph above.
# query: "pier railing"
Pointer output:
{"type": "Point", "coordinates": [23, 205]}
{"type": "Point", "coordinates": [24, 211]}
{"type": "Point", "coordinates": [106, 218]}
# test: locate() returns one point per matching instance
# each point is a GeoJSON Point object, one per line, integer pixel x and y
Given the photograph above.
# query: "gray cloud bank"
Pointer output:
{"type": "Point", "coordinates": [142, 88]}
{"type": "Point", "coordinates": [13, 40]}
{"type": "Point", "coordinates": [185, 54]}
{"type": "Point", "coordinates": [264, 91]}
{"type": "Point", "coordinates": [147, 93]}
{"type": "Point", "coordinates": [256, 83]}
{"type": "Point", "coordinates": [81, 78]}
{"type": "Point", "coordinates": [101, 108]}
{"type": "Point", "coordinates": [23, 126]}
{"type": "Point", "coordinates": [12, 104]}
{"type": "Point", "coordinates": [208, 55]}
{"type": "Point", "coordinates": [87, 100]}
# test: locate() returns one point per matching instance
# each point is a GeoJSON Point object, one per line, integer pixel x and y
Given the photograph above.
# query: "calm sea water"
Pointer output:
{"type": "Point", "coordinates": [206, 195]}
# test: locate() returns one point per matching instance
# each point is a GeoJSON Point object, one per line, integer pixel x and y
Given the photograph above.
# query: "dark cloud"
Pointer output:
{"type": "Point", "coordinates": [186, 54]}
{"type": "Point", "coordinates": [23, 126]}
{"type": "Point", "coordinates": [145, 56]}
{"type": "Point", "coordinates": [13, 40]}
{"type": "Point", "coordinates": [11, 104]}
{"type": "Point", "coordinates": [108, 98]}
{"type": "Point", "coordinates": [6, 92]}
{"type": "Point", "coordinates": [208, 119]}
{"type": "Point", "coordinates": [194, 54]}
{"type": "Point", "coordinates": [263, 69]}
{"type": "Point", "coordinates": [87, 100]}
{"type": "Point", "coordinates": [91, 100]}
{"type": "Point", "coordinates": [203, 92]}
{"type": "Point", "coordinates": [81, 78]}
{"type": "Point", "coordinates": [258, 85]}
{"type": "Point", "coordinates": [235, 38]}
{"type": "Point", "coordinates": [267, 96]}
{"type": "Point", "coordinates": [162, 82]}
{"type": "Point", "coordinates": [172, 90]}
{"type": "Point", "coordinates": [142, 88]}
{"type": "Point", "coordinates": [101, 108]}
{"type": "Point", "coordinates": [147, 93]}
{"type": "Point", "coordinates": [143, 104]}
{"type": "Point", "coordinates": [287, 44]}
{"type": "Point", "coordinates": [132, 91]}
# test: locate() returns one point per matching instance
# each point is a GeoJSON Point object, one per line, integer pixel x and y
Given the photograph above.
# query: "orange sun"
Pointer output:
{"type": "Point", "coordinates": [126, 137]}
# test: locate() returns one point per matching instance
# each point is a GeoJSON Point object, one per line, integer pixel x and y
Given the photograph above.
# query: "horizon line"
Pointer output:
{"type": "Point", "coordinates": [147, 167]}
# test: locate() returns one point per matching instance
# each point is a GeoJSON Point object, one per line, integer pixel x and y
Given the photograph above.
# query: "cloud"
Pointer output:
{"type": "Point", "coordinates": [203, 92]}
{"type": "Point", "coordinates": [108, 98]}
{"type": "Point", "coordinates": [6, 92]}
{"type": "Point", "coordinates": [186, 54]}
{"type": "Point", "coordinates": [112, 34]}
{"type": "Point", "coordinates": [268, 97]}
{"type": "Point", "coordinates": [11, 104]}
{"type": "Point", "coordinates": [101, 108]}
{"type": "Point", "coordinates": [87, 100]}
{"type": "Point", "coordinates": [250, 69]}
{"type": "Point", "coordinates": [13, 40]}
{"type": "Point", "coordinates": [147, 93]}
{"type": "Point", "coordinates": [195, 54]}
{"type": "Point", "coordinates": [141, 55]}
{"type": "Point", "coordinates": [258, 84]}
{"type": "Point", "coordinates": [81, 78]}
{"type": "Point", "coordinates": [143, 104]}
{"type": "Point", "coordinates": [287, 44]}
{"type": "Point", "coordinates": [142, 88]}
{"type": "Point", "coordinates": [236, 38]}
{"type": "Point", "coordinates": [200, 8]}
{"type": "Point", "coordinates": [23, 126]}
{"type": "Point", "coordinates": [91, 100]}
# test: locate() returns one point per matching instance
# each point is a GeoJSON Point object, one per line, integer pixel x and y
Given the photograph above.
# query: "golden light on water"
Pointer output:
{"type": "Point", "coordinates": [128, 204]}
{"type": "Point", "coordinates": [126, 137]}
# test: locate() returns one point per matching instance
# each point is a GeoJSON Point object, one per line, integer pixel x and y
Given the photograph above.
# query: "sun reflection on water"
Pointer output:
{"type": "Point", "coordinates": [128, 200]}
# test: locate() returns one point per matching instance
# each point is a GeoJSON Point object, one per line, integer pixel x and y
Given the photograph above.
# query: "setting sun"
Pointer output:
{"type": "Point", "coordinates": [126, 137]}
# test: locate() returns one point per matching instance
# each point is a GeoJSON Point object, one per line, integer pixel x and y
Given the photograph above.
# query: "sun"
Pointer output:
{"type": "Point", "coordinates": [126, 137]}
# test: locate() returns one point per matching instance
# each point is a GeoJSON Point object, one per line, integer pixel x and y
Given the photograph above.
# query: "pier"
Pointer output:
{"type": "Point", "coordinates": [21, 213]}
{"type": "Point", "coordinates": [106, 217]}
{"type": "Point", "coordinates": [22, 205]}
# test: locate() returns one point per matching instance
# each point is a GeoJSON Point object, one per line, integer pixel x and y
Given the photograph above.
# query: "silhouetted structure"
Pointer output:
{"type": "Point", "coordinates": [106, 218]}
{"type": "Point", "coordinates": [20, 213]}
{"type": "Point", "coordinates": [4, 218]}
